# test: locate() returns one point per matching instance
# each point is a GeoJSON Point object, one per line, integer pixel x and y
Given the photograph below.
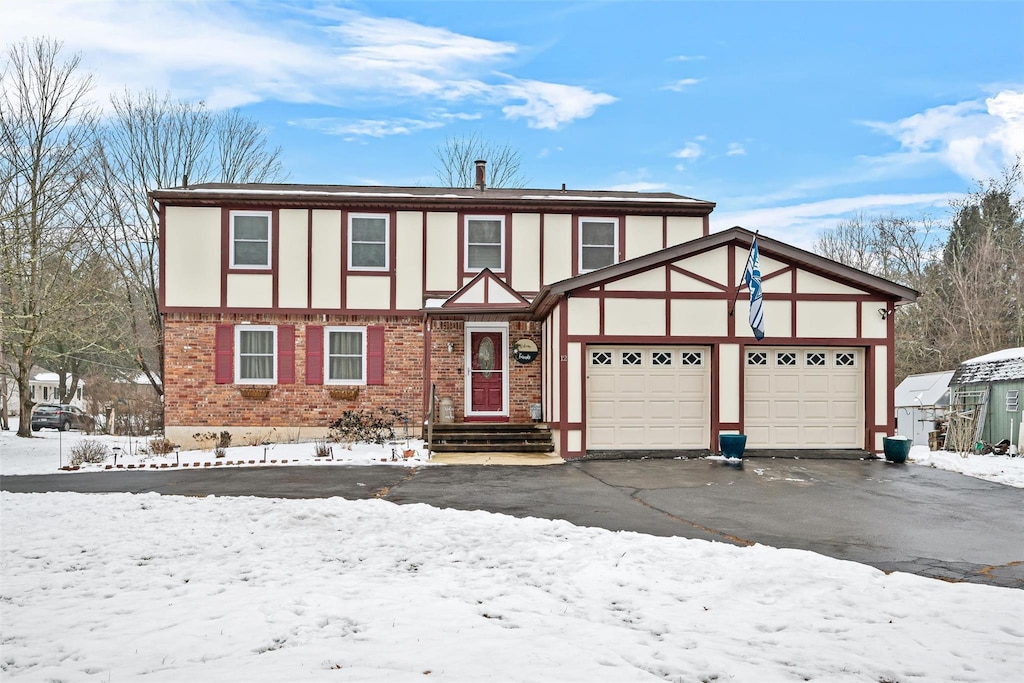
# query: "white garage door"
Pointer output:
{"type": "Point", "coordinates": [648, 397]}
{"type": "Point", "coordinates": [804, 398]}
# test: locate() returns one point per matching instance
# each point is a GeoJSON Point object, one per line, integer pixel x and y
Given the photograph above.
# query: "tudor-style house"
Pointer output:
{"type": "Point", "coordinates": [285, 305]}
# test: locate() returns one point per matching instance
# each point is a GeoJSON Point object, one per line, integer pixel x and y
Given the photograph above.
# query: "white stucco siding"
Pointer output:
{"type": "Point", "coordinates": [781, 284]}
{"type": "Point", "coordinates": [293, 255]}
{"type": "Point", "coordinates": [809, 283]}
{"type": "Point", "coordinates": [574, 382]}
{"type": "Point", "coordinates": [680, 282]}
{"type": "Point", "coordinates": [729, 383]}
{"type": "Point", "coordinates": [442, 252]}
{"type": "Point", "coordinates": [711, 265]}
{"type": "Point", "coordinates": [326, 259]}
{"type": "Point", "coordinates": [525, 252]}
{"type": "Point", "coordinates": [584, 316]}
{"type": "Point", "coordinates": [699, 318]}
{"type": "Point", "coordinates": [683, 229]}
{"type": "Point", "coordinates": [829, 319]}
{"type": "Point", "coordinates": [367, 292]}
{"type": "Point", "coordinates": [558, 247]}
{"type": "Point", "coordinates": [192, 257]}
{"type": "Point", "coordinates": [648, 281]}
{"type": "Point", "coordinates": [250, 291]}
{"type": "Point", "coordinates": [778, 319]}
{"type": "Point", "coordinates": [634, 317]}
{"type": "Point", "coordinates": [409, 260]}
{"type": "Point", "coordinates": [643, 235]}
{"type": "Point", "coordinates": [882, 389]}
{"type": "Point", "coordinates": [872, 325]}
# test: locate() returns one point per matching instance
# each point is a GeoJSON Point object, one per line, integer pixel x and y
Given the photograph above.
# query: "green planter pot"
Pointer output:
{"type": "Point", "coordinates": [732, 445]}
{"type": "Point", "coordinates": [896, 450]}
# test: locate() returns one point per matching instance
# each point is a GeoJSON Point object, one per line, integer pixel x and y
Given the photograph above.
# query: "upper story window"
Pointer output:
{"type": "Point", "coordinates": [345, 355]}
{"type": "Point", "coordinates": [485, 243]}
{"type": "Point", "coordinates": [250, 239]}
{"type": "Point", "coordinates": [368, 242]}
{"type": "Point", "coordinates": [255, 354]}
{"type": "Point", "coordinates": [598, 242]}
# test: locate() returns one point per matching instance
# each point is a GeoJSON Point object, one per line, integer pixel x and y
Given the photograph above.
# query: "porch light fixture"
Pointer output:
{"type": "Point", "coordinates": [885, 313]}
{"type": "Point", "coordinates": [451, 347]}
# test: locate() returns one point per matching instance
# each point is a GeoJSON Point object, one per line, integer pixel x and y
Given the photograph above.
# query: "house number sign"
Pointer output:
{"type": "Point", "coordinates": [524, 351]}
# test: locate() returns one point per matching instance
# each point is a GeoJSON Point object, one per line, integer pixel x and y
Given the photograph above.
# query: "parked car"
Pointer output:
{"type": "Point", "coordinates": [62, 417]}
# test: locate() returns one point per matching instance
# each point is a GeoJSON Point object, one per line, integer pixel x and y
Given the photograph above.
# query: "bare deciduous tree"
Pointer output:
{"type": "Point", "coordinates": [154, 142]}
{"type": "Point", "coordinates": [458, 154]}
{"type": "Point", "coordinates": [46, 134]}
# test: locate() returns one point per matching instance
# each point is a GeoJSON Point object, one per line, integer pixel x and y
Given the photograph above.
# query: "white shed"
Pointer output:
{"type": "Point", "coordinates": [920, 401]}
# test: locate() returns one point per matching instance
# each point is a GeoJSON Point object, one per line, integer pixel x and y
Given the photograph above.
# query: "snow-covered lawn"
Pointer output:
{"type": "Point", "coordinates": [164, 588]}
{"type": "Point", "coordinates": [49, 450]}
{"type": "Point", "coordinates": [1001, 469]}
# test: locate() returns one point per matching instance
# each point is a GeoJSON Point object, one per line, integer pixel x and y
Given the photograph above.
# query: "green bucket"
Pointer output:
{"type": "Point", "coordinates": [896, 450]}
{"type": "Point", "coordinates": [732, 445]}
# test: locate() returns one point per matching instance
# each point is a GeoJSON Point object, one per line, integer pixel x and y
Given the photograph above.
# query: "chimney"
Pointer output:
{"type": "Point", "coordinates": [481, 174]}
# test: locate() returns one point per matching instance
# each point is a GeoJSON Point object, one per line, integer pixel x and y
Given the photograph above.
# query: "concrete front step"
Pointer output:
{"type": "Point", "coordinates": [476, 446]}
{"type": "Point", "coordinates": [492, 437]}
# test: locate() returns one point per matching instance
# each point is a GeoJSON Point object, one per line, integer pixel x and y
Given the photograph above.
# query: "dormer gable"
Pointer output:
{"type": "Point", "coordinates": [486, 290]}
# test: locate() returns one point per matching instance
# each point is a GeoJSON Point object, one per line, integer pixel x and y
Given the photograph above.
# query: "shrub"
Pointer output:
{"type": "Point", "coordinates": [224, 440]}
{"type": "Point", "coordinates": [366, 426]}
{"type": "Point", "coordinates": [258, 438]}
{"type": "Point", "coordinates": [322, 449]}
{"type": "Point", "coordinates": [160, 446]}
{"type": "Point", "coordinates": [87, 452]}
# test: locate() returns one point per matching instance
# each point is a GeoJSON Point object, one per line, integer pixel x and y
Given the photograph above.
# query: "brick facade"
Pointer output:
{"type": "Point", "coordinates": [194, 402]}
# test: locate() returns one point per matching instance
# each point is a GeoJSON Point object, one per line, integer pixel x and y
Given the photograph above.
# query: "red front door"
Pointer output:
{"type": "Point", "coordinates": [487, 366]}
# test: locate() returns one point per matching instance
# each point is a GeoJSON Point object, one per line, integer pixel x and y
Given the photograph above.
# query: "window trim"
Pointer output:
{"type": "Point", "coordinates": [270, 240]}
{"type": "Point", "coordinates": [466, 243]}
{"type": "Point", "coordinates": [237, 353]}
{"type": "Point", "coordinates": [387, 242]}
{"type": "Point", "coordinates": [614, 246]}
{"type": "Point", "coordinates": [328, 330]}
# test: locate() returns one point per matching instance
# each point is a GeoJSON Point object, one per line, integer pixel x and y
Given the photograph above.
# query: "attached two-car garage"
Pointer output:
{"type": "Point", "coordinates": [659, 397]}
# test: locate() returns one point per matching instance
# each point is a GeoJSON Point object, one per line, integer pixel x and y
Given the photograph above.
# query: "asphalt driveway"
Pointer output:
{"type": "Point", "coordinates": [894, 517]}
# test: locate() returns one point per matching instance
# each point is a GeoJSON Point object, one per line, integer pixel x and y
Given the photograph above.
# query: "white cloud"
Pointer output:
{"type": "Point", "coordinates": [376, 128]}
{"type": "Point", "coordinates": [736, 149]}
{"type": "Point", "coordinates": [550, 105]}
{"type": "Point", "coordinates": [276, 52]}
{"type": "Point", "coordinates": [975, 139]}
{"type": "Point", "coordinates": [683, 84]}
{"type": "Point", "coordinates": [689, 58]}
{"type": "Point", "coordinates": [691, 150]}
{"type": "Point", "coordinates": [800, 224]}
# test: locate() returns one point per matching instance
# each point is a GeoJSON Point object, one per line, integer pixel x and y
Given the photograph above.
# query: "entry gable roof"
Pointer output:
{"type": "Point", "coordinates": [742, 237]}
{"type": "Point", "coordinates": [484, 291]}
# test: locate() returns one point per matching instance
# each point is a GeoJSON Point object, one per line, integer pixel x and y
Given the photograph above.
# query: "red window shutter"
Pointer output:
{"type": "Point", "coordinates": [224, 354]}
{"type": "Point", "coordinates": [314, 354]}
{"type": "Point", "coordinates": [286, 354]}
{"type": "Point", "coordinates": [375, 355]}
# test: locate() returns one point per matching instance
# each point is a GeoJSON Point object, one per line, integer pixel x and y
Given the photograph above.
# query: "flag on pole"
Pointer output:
{"type": "Point", "coordinates": [752, 276]}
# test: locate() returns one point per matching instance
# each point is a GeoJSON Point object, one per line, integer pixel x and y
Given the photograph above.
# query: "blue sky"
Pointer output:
{"type": "Point", "coordinates": [790, 116]}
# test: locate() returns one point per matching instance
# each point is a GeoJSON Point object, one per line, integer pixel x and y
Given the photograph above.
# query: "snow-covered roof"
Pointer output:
{"type": "Point", "coordinates": [928, 389]}
{"type": "Point", "coordinates": [1000, 366]}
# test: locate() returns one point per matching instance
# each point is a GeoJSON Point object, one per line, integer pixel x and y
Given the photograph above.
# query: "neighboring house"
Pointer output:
{"type": "Point", "coordinates": [921, 404]}
{"type": "Point", "coordinates": [43, 387]}
{"type": "Point", "coordinates": [991, 388]}
{"type": "Point", "coordinates": [285, 305]}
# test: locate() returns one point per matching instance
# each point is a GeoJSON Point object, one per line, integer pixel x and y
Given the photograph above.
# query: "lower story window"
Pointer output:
{"type": "Point", "coordinates": [256, 353]}
{"type": "Point", "coordinates": [346, 355]}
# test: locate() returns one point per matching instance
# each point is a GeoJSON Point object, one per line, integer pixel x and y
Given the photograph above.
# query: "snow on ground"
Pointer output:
{"type": "Point", "coordinates": [122, 586]}
{"type": "Point", "coordinates": [49, 450]}
{"type": "Point", "coordinates": [1001, 469]}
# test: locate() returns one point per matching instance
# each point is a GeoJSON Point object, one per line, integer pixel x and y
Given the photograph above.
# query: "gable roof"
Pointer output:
{"type": "Point", "coordinates": [924, 390]}
{"type": "Point", "coordinates": [434, 198]}
{"type": "Point", "coordinates": [1001, 366]}
{"type": "Point", "coordinates": [486, 290]}
{"type": "Point", "coordinates": [740, 236]}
